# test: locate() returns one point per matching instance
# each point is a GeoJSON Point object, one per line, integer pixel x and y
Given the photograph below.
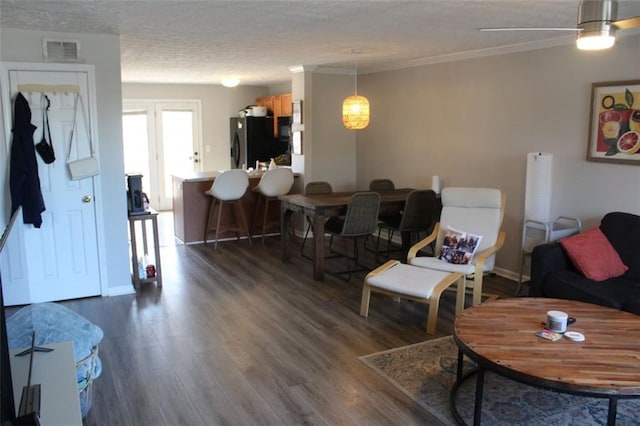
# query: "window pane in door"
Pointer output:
{"type": "Point", "coordinates": [136, 146]}
{"type": "Point", "coordinates": [177, 136]}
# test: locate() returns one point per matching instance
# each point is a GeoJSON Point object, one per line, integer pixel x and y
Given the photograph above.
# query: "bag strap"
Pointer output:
{"type": "Point", "coordinates": [46, 104]}
{"type": "Point", "coordinates": [78, 100]}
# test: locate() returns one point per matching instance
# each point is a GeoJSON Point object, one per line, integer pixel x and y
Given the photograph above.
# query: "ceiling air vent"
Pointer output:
{"type": "Point", "coordinates": [61, 51]}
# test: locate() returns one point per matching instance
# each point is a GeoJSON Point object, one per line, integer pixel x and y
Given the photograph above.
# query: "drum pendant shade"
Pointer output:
{"type": "Point", "coordinates": [355, 112]}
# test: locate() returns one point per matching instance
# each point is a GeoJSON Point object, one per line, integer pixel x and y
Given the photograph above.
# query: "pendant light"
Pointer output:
{"type": "Point", "coordinates": [355, 109]}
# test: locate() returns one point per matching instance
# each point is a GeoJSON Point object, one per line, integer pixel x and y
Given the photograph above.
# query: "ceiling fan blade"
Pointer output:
{"type": "Point", "coordinates": [626, 24]}
{"type": "Point", "coordinates": [530, 29]}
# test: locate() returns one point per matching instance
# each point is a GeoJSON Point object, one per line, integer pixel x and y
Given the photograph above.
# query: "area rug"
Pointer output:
{"type": "Point", "coordinates": [426, 371]}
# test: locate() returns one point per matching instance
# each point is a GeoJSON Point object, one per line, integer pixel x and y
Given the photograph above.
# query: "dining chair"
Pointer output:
{"type": "Point", "coordinates": [272, 184]}
{"type": "Point", "coordinates": [419, 214]}
{"type": "Point", "coordinates": [476, 212]}
{"type": "Point", "coordinates": [360, 220]}
{"type": "Point", "coordinates": [228, 188]}
{"type": "Point", "coordinates": [385, 184]}
{"type": "Point", "coordinates": [319, 187]}
{"type": "Point", "coordinates": [381, 185]}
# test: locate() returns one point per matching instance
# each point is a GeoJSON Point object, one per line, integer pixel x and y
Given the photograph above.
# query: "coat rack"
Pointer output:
{"type": "Point", "coordinates": [45, 88]}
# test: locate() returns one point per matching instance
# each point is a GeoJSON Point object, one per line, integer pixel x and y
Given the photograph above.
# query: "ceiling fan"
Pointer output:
{"type": "Point", "coordinates": [597, 25]}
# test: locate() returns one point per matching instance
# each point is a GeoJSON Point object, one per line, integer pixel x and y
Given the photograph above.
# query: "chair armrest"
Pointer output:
{"type": "Point", "coordinates": [546, 258]}
{"type": "Point", "coordinates": [483, 255]}
{"type": "Point", "coordinates": [413, 251]}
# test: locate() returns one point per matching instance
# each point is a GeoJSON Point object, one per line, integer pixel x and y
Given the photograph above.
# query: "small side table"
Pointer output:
{"type": "Point", "coordinates": [152, 216]}
{"type": "Point", "coordinates": [535, 233]}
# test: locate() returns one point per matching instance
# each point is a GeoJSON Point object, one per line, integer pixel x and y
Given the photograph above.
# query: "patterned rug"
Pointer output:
{"type": "Point", "coordinates": [426, 371]}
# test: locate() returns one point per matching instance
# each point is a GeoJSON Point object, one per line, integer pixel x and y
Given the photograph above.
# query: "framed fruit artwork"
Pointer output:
{"type": "Point", "coordinates": [614, 122]}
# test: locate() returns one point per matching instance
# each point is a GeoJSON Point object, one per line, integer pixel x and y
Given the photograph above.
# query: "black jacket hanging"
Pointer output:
{"type": "Point", "coordinates": [24, 181]}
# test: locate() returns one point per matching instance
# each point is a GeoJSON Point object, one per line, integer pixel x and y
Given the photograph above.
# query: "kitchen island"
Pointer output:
{"type": "Point", "coordinates": [191, 205]}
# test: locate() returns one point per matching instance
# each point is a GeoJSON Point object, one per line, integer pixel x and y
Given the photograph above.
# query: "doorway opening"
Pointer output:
{"type": "Point", "coordinates": [161, 139]}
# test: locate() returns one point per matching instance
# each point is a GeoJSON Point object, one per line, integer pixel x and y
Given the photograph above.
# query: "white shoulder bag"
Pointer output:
{"type": "Point", "coordinates": [82, 168]}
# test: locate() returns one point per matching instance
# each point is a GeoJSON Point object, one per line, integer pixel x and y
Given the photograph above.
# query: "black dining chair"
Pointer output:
{"type": "Point", "coordinates": [360, 220]}
{"type": "Point", "coordinates": [319, 187]}
{"type": "Point", "coordinates": [420, 213]}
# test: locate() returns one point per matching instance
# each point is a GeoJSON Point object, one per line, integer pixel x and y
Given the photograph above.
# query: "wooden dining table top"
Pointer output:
{"type": "Point", "coordinates": [501, 336]}
{"type": "Point", "coordinates": [336, 200]}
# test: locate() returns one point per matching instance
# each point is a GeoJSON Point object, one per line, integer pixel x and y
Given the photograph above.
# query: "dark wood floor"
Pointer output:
{"type": "Point", "coordinates": [237, 337]}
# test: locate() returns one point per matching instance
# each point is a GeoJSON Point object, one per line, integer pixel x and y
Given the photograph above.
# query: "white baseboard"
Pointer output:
{"type": "Point", "coordinates": [120, 290]}
{"type": "Point", "coordinates": [511, 275]}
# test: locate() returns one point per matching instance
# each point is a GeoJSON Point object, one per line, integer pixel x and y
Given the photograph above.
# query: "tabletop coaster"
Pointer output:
{"type": "Point", "coordinates": [575, 336]}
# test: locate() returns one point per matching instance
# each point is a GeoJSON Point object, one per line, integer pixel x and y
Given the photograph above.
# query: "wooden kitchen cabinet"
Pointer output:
{"type": "Point", "coordinates": [285, 104]}
{"type": "Point", "coordinates": [266, 101]}
{"type": "Point", "coordinates": [278, 106]}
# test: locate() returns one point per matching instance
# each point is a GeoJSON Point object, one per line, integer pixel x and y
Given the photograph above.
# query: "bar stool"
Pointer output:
{"type": "Point", "coordinates": [228, 188]}
{"type": "Point", "coordinates": [272, 184]}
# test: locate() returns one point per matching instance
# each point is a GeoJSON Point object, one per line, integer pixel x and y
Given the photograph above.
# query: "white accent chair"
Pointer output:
{"type": "Point", "coordinates": [227, 188]}
{"type": "Point", "coordinates": [272, 184]}
{"type": "Point", "coordinates": [478, 211]}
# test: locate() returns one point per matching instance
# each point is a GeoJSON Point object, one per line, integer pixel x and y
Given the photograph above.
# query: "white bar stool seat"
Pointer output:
{"type": "Point", "coordinates": [272, 184]}
{"type": "Point", "coordinates": [228, 188]}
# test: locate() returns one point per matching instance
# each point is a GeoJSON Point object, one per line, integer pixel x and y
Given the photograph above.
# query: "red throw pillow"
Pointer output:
{"type": "Point", "coordinates": [593, 255]}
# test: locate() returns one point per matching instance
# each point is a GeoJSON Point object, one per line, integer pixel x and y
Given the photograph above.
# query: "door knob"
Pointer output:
{"type": "Point", "coordinates": [86, 199]}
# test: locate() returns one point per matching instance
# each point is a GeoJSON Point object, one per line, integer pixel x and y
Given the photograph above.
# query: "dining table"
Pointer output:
{"type": "Point", "coordinates": [320, 207]}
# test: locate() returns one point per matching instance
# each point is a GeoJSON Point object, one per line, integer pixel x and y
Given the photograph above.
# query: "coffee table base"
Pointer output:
{"type": "Point", "coordinates": [477, 410]}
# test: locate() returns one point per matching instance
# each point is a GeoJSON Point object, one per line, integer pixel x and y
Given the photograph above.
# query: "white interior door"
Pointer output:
{"type": "Point", "coordinates": [60, 259]}
{"type": "Point", "coordinates": [162, 139]}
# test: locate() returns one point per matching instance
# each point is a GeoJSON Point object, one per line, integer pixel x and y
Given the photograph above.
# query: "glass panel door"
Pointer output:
{"type": "Point", "coordinates": [162, 139]}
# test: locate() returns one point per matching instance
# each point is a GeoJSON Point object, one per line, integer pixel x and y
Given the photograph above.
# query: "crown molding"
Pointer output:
{"type": "Point", "coordinates": [472, 54]}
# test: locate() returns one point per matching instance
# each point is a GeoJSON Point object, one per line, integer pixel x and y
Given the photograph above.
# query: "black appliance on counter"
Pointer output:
{"type": "Point", "coordinates": [252, 140]}
{"type": "Point", "coordinates": [135, 196]}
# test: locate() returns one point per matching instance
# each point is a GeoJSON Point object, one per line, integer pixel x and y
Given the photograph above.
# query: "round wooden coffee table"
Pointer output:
{"type": "Point", "coordinates": [500, 336]}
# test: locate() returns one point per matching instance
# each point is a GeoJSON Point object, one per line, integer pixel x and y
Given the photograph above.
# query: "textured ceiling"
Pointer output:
{"type": "Point", "coordinates": [258, 41]}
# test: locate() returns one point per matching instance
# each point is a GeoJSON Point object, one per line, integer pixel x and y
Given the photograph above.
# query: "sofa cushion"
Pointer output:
{"type": "Point", "coordinates": [614, 292]}
{"type": "Point", "coordinates": [593, 255]}
{"type": "Point", "coordinates": [623, 231]}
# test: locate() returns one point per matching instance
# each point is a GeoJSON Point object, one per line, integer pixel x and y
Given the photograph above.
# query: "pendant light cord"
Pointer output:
{"type": "Point", "coordinates": [356, 77]}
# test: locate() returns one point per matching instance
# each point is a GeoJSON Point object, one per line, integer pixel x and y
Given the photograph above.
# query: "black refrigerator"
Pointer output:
{"type": "Point", "coordinates": [252, 140]}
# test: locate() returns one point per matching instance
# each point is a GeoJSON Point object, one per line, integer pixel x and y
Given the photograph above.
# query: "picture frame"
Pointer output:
{"type": "Point", "coordinates": [296, 142]}
{"type": "Point", "coordinates": [297, 112]}
{"type": "Point", "coordinates": [614, 122]}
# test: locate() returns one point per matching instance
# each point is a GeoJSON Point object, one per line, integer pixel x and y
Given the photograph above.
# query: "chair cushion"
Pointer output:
{"type": "Point", "coordinates": [614, 292]}
{"type": "Point", "coordinates": [408, 280]}
{"type": "Point", "coordinates": [593, 255]}
{"type": "Point", "coordinates": [474, 210]}
{"type": "Point", "coordinates": [441, 265]}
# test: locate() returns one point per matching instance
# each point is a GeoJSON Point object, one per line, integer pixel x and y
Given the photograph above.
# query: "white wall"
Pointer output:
{"type": "Point", "coordinates": [218, 105]}
{"type": "Point", "coordinates": [472, 123]}
{"type": "Point", "coordinates": [103, 51]}
{"type": "Point", "coordinates": [331, 148]}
